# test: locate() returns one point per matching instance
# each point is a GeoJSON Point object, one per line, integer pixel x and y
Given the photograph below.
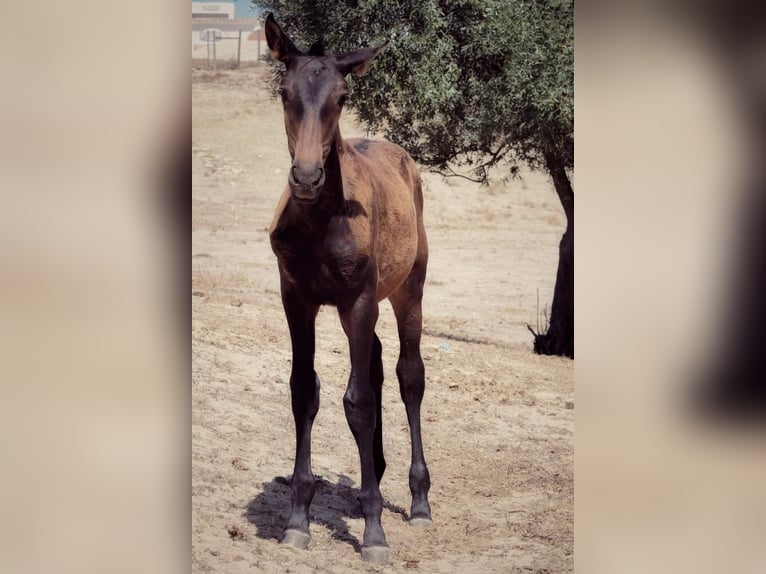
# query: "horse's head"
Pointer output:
{"type": "Point", "coordinates": [313, 91]}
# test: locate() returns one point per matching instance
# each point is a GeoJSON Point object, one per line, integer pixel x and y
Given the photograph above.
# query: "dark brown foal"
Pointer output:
{"type": "Point", "coordinates": [348, 232]}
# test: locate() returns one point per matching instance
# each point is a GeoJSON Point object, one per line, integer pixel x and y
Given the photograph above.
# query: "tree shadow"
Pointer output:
{"type": "Point", "coordinates": [332, 505]}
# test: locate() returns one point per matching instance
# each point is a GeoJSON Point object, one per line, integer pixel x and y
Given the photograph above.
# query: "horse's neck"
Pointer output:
{"type": "Point", "coordinates": [315, 217]}
{"type": "Point", "coordinates": [333, 187]}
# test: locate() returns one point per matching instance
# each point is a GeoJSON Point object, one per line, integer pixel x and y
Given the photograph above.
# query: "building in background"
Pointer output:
{"type": "Point", "coordinates": [213, 10]}
{"type": "Point", "coordinates": [241, 8]}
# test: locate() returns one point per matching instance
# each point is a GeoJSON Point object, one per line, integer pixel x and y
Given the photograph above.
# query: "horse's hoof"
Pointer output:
{"type": "Point", "coordinates": [296, 539]}
{"type": "Point", "coordinates": [421, 521]}
{"type": "Point", "coordinates": [376, 554]}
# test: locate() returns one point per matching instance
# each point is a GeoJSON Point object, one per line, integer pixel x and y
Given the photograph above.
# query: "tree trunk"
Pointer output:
{"type": "Point", "coordinates": [559, 336]}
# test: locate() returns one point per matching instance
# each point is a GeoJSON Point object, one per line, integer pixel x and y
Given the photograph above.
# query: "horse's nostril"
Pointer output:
{"type": "Point", "coordinates": [313, 176]}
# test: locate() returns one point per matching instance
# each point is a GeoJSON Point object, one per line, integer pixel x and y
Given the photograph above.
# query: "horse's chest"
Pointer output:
{"type": "Point", "coordinates": [326, 269]}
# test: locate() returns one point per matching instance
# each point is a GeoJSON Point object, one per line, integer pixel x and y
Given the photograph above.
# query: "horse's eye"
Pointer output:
{"type": "Point", "coordinates": [342, 100]}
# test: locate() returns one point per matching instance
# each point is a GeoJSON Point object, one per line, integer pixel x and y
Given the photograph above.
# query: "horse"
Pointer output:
{"type": "Point", "coordinates": [348, 232]}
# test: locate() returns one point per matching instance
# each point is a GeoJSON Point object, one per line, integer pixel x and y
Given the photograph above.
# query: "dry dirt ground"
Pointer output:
{"type": "Point", "coordinates": [498, 420]}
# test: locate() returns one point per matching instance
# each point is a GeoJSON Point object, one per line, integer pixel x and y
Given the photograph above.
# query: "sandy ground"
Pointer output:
{"type": "Point", "coordinates": [498, 420]}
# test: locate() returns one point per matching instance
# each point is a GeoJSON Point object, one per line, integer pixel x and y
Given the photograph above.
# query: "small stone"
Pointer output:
{"type": "Point", "coordinates": [236, 533]}
{"type": "Point", "coordinates": [236, 303]}
{"type": "Point", "coordinates": [569, 404]}
{"type": "Point", "coordinates": [197, 294]}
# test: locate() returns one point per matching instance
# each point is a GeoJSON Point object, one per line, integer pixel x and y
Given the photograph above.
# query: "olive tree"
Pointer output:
{"type": "Point", "coordinates": [465, 83]}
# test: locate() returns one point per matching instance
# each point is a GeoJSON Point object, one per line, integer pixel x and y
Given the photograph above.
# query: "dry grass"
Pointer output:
{"type": "Point", "coordinates": [213, 283]}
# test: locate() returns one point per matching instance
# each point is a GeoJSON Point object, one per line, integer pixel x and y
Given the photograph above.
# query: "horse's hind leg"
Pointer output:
{"type": "Point", "coordinates": [376, 381]}
{"type": "Point", "coordinates": [410, 371]}
{"type": "Point", "coordinates": [304, 388]}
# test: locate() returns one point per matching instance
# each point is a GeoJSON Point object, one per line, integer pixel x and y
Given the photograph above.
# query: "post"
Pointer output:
{"type": "Point", "coordinates": [239, 46]}
{"type": "Point", "coordinates": [215, 61]}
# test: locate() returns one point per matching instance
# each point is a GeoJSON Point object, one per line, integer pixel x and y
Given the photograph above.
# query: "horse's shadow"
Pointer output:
{"type": "Point", "coordinates": [333, 503]}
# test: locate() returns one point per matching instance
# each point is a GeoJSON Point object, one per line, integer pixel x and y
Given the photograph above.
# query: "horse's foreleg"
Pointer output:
{"type": "Point", "coordinates": [304, 388]}
{"type": "Point", "coordinates": [360, 406]}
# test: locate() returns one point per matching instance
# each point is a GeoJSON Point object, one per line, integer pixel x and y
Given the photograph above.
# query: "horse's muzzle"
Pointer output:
{"type": "Point", "coordinates": [306, 183]}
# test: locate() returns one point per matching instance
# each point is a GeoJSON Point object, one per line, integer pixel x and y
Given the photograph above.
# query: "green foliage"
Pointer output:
{"type": "Point", "coordinates": [467, 81]}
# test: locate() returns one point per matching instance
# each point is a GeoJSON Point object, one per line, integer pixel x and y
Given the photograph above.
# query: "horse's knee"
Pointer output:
{"type": "Point", "coordinates": [359, 405]}
{"type": "Point", "coordinates": [304, 391]}
{"type": "Point", "coordinates": [411, 374]}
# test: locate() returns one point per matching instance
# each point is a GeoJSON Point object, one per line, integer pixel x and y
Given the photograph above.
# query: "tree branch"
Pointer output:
{"type": "Point", "coordinates": [453, 173]}
{"type": "Point", "coordinates": [495, 156]}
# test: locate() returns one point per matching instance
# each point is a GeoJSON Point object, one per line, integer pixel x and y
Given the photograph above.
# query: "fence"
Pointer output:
{"type": "Point", "coordinates": [217, 43]}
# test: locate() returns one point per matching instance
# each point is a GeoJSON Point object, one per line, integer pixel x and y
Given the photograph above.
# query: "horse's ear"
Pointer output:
{"type": "Point", "coordinates": [280, 46]}
{"type": "Point", "coordinates": [359, 62]}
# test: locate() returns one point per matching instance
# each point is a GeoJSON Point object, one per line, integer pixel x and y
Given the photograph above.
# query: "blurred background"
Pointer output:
{"type": "Point", "coordinates": [670, 373]}
{"type": "Point", "coordinates": [94, 215]}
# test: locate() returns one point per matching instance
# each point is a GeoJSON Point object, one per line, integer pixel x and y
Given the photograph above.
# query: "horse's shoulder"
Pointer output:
{"type": "Point", "coordinates": [279, 212]}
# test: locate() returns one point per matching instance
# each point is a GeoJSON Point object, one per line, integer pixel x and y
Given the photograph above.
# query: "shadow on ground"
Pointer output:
{"type": "Point", "coordinates": [333, 504]}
